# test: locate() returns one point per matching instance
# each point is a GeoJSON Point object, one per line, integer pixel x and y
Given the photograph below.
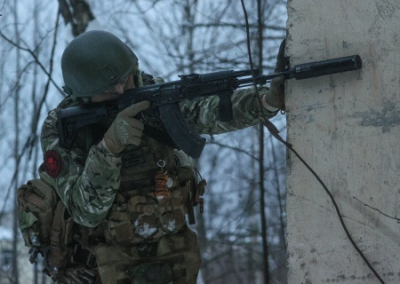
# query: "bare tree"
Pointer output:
{"type": "Point", "coordinates": [170, 37]}
{"type": "Point", "coordinates": [16, 147]}
{"type": "Point", "coordinates": [23, 38]}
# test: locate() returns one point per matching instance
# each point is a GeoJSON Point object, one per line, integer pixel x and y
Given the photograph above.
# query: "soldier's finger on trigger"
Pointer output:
{"type": "Point", "coordinates": [133, 110]}
{"type": "Point", "coordinates": [135, 123]}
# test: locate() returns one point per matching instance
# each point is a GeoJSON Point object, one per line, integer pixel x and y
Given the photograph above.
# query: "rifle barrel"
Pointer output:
{"type": "Point", "coordinates": [325, 67]}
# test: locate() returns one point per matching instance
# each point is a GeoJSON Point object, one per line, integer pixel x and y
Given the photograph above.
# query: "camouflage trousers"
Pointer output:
{"type": "Point", "coordinates": [174, 259]}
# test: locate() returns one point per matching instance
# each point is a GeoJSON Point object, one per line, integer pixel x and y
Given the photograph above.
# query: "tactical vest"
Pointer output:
{"type": "Point", "coordinates": [147, 238]}
{"type": "Point", "coordinates": [155, 188]}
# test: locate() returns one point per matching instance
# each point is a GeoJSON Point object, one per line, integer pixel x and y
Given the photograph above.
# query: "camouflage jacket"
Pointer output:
{"type": "Point", "coordinates": [88, 177]}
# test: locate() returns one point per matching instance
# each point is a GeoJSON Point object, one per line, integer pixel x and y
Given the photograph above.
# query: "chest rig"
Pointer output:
{"type": "Point", "coordinates": [157, 187]}
{"type": "Point", "coordinates": [156, 184]}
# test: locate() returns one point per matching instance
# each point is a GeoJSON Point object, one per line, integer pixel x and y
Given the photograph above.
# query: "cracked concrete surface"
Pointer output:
{"type": "Point", "coordinates": [347, 127]}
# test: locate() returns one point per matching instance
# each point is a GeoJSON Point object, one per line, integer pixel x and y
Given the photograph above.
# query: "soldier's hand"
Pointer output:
{"type": "Point", "coordinates": [125, 130]}
{"type": "Point", "coordinates": [274, 99]}
{"type": "Point", "coordinates": [280, 58]}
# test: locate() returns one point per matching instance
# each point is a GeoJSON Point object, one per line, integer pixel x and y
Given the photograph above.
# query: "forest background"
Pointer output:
{"type": "Point", "coordinates": [242, 229]}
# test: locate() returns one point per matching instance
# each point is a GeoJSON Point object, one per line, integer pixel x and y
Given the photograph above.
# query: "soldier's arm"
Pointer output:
{"type": "Point", "coordinates": [203, 116]}
{"type": "Point", "coordinates": [86, 182]}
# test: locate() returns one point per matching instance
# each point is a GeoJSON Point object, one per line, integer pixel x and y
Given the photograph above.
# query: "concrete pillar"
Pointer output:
{"type": "Point", "coordinates": [347, 127]}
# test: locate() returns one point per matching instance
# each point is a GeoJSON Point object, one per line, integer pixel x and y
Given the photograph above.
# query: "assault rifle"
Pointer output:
{"type": "Point", "coordinates": [164, 98]}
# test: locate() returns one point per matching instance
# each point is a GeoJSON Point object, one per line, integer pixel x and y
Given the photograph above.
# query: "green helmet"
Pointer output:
{"type": "Point", "coordinates": [94, 62]}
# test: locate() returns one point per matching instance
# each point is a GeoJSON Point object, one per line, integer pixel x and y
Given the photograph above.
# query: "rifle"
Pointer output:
{"type": "Point", "coordinates": [165, 98]}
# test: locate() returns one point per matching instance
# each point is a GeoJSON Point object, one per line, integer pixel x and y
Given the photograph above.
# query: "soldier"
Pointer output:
{"type": "Point", "coordinates": [124, 193]}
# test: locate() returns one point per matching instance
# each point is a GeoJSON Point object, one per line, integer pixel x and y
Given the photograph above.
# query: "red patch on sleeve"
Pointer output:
{"type": "Point", "coordinates": [52, 163]}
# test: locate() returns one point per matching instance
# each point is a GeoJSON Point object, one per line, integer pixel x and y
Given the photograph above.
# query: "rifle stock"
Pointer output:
{"type": "Point", "coordinates": [70, 120]}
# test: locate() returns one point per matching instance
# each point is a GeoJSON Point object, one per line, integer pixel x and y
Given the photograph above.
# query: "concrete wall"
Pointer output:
{"type": "Point", "coordinates": [347, 126]}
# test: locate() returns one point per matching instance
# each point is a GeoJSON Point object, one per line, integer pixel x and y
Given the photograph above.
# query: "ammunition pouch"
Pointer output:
{"type": "Point", "coordinates": [159, 272]}
{"type": "Point", "coordinates": [122, 264]}
{"type": "Point", "coordinates": [48, 229]}
{"type": "Point", "coordinates": [61, 241]}
{"type": "Point", "coordinates": [36, 203]}
{"type": "Point", "coordinates": [142, 218]}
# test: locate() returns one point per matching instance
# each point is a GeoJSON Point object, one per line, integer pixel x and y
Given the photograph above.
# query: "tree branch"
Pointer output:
{"type": "Point", "coordinates": [32, 53]}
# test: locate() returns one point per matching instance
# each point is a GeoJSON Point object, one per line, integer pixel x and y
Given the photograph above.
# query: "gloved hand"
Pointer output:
{"type": "Point", "coordinates": [280, 58]}
{"type": "Point", "coordinates": [125, 129]}
{"type": "Point", "coordinates": [274, 99]}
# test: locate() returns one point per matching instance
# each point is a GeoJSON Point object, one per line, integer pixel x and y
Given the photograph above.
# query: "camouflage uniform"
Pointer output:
{"type": "Point", "coordinates": [114, 194]}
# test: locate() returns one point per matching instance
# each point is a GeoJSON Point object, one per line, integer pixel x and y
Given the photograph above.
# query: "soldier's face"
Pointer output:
{"type": "Point", "coordinates": [116, 91]}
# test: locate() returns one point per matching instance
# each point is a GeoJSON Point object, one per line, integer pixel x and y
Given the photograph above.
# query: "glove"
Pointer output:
{"type": "Point", "coordinates": [274, 99]}
{"type": "Point", "coordinates": [125, 129]}
{"type": "Point", "coordinates": [280, 58]}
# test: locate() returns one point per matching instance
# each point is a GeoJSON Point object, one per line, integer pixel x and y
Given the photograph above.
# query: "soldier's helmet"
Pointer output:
{"type": "Point", "coordinates": [95, 61]}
